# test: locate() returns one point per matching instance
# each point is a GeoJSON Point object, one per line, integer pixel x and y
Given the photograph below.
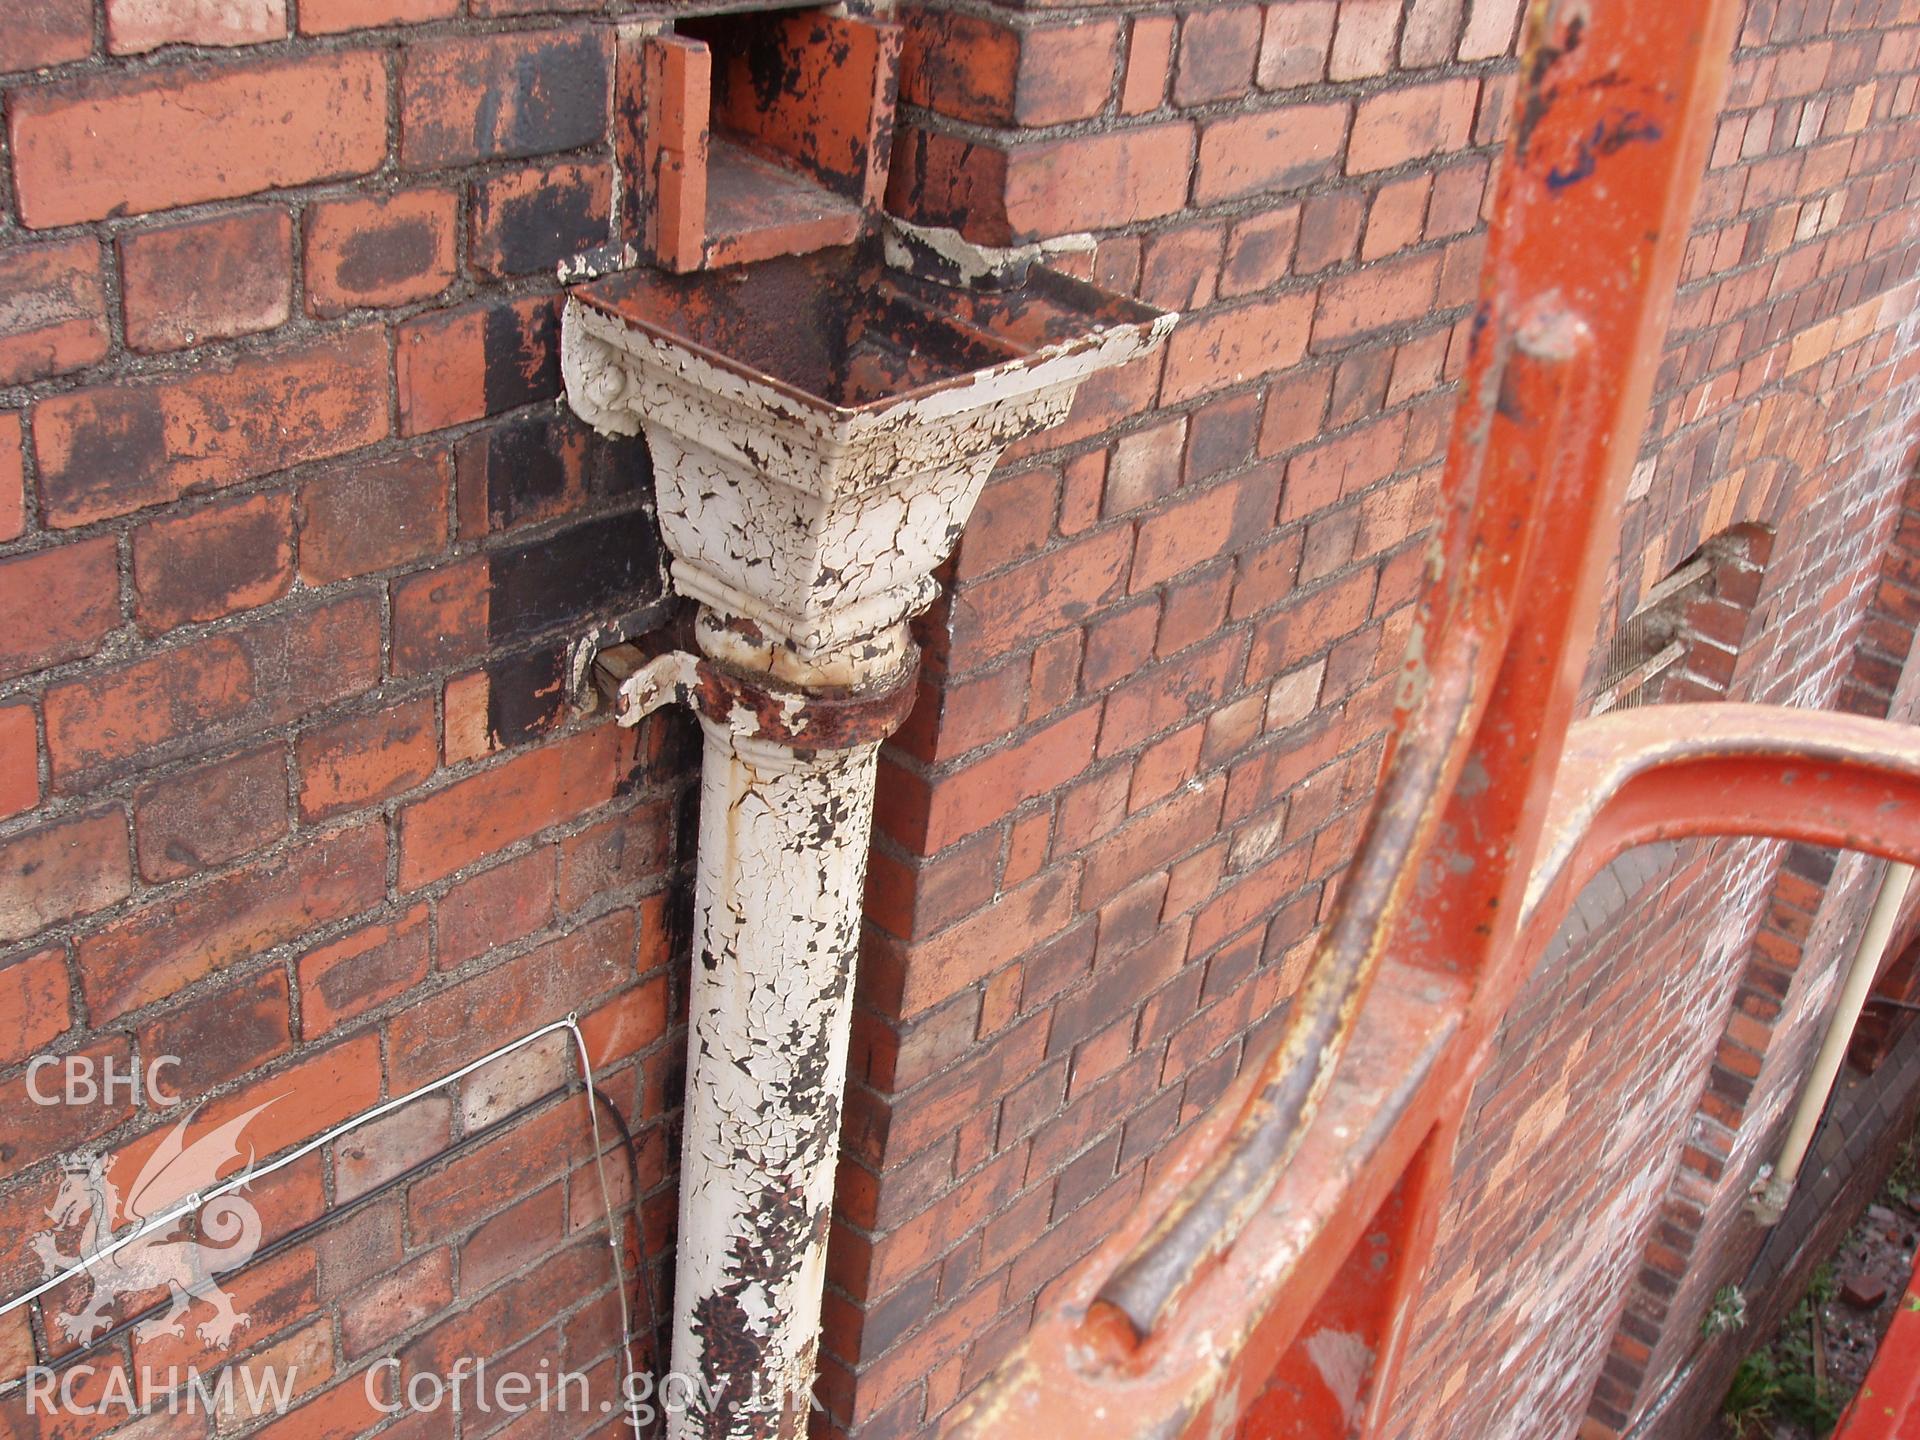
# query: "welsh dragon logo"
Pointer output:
{"type": "Point", "coordinates": [90, 1200]}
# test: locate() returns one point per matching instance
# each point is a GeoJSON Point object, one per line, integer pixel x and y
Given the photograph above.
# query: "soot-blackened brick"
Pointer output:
{"type": "Point", "coordinates": [531, 221]}
{"type": "Point", "coordinates": [529, 467]}
{"type": "Point", "coordinates": [494, 97]}
{"type": "Point", "coordinates": [526, 695]}
{"type": "Point", "coordinates": [605, 564]}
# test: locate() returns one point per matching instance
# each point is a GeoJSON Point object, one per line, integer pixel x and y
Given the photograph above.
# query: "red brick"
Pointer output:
{"type": "Point", "coordinates": [1145, 466]}
{"type": "Point", "coordinates": [351, 975]}
{"type": "Point", "coordinates": [1311, 623]}
{"type": "Point", "coordinates": [134, 26]}
{"type": "Point", "coordinates": [974, 69]}
{"type": "Point", "coordinates": [126, 144]}
{"type": "Point", "coordinates": [64, 869]}
{"type": "Point", "coordinates": [489, 811]}
{"type": "Point", "coordinates": [1150, 841]}
{"type": "Point", "coordinates": [1294, 43]}
{"type": "Point", "coordinates": [1328, 473]}
{"type": "Point", "coordinates": [306, 1098]}
{"type": "Point", "coordinates": [1259, 250]}
{"type": "Point", "coordinates": [1012, 519]}
{"type": "Point", "coordinates": [57, 604]}
{"type": "Point", "coordinates": [1095, 181]}
{"type": "Point", "coordinates": [170, 943]}
{"type": "Point", "coordinates": [13, 477]}
{"type": "Point", "coordinates": [1431, 33]}
{"type": "Point", "coordinates": [1160, 698]}
{"type": "Point", "coordinates": [1216, 522]}
{"type": "Point", "coordinates": [1165, 766]}
{"type": "Point", "coordinates": [1489, 29]}
{"type": "Point", "coordinates": [37, 1132]}
{"type": "Point", "coordinates": [35, 1006]}
{"type": "Point", "coordinates": [1182, 267]}
{"type": "Point", "coordinates": [210, 815]}
{"type": "Point", "coordinates": [1194, 609]}
{"type": "Point", "coordinates": [397, 1302]}
{"type": "Point", "coordinates": [1376, 298]}
{"type": "Point", "coordinates": [362, 759]}
{"type": "Point", "coordinates": [1052, 674]}
{"type": "Point", "coordinates": [496, 907]}
{"type": "Point", "coordinates": [1360, 385]}
{"type": "Point", "coordinates": [1218, 46]}
{"type": "Point", "coordinates": [532, 220]}
{"type": "Point", "coordinates": [207, 280]}
{"type": "Point", "coordinates": [1117, 643]}
{"type": "Point", "coordinates": [963, 715]}
{"type": "Point", "coordinates": [1295, 410]}
{"type": "Point", "coordinates": [1410, 123]}
{"type": "Point", "coordinates": [46, 33]}
{"type": "Point", "coordinates": [440, 617]}
{"type": "Point", "coordinates": [1249, 900]}
{"type": "Point", "coordinates": [218, 1036]}
{"type": "Point", "coordinates": [19, 759]}
{"type": "Point", "coordinates": [228, 556]}
{"type": "Point", "coordinates": [1268, 150]}
{"type": "Point", "coordinates": [459, 1023]}
{"type": "Point", "coordinates": [1039, 596]}
{"type": "Point", "coordinates": [359, 518]}
{"type": "Point", "coordinates": [627, 850]}
{"type": "Point", "coordinates": [477, 360]}
{"type": "Point", "coordinates": [1397, 218]}
{"type": "Point", "coordinates": [1363, 40]}
{"type": "Point", "coordinates": [109, 450]}
{"type": "Point", "coordinates": [380, 250]}
{"type": "Point", "coordinates": [1330, 228]}
{"type": "Point", "coordinates": [55, 318]}
{"type": "Point", "coordinates": [500, 97]}
{"type": "Point", "coordinates": [1017, 922]}
{"type": "Point", "coordinates": [185, 697]}
{"type": "Point", "coordinates": [329, 17]}
{"type": "Point", "coordinates": [998, 197]}
{"type": "Point", "coordinates": [1149, 60]}
{"type": "Point", "coordinates": [1228, 346]}
{"type": "Point", "coordinates": [1458, 192]}
{"type": "Point", "coordinates": [978, 794]}
{"type": "Point", "coordinates": [521, 471]}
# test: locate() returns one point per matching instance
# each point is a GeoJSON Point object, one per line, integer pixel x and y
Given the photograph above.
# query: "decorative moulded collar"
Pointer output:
{"type": "Point", "coordinates": [821, 425]}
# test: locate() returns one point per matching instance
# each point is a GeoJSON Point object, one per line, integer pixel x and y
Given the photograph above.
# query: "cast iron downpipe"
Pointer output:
{"type": "Point", "coordinates": [806, 510]}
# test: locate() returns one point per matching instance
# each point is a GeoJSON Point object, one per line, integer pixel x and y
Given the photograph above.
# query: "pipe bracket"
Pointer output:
{"type": "Point", "coordinates": [803, 719]}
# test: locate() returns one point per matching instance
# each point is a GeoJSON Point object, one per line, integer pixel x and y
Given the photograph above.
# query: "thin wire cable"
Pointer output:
{"type": "Point", "coordinates": [629, 1399]}
{"type": "Point", "coordinates": [186, 1206]}
{"type": "Point", "coordinates": [246, 1177]}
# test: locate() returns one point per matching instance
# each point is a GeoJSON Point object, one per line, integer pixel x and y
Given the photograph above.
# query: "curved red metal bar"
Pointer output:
{"type": "Point", "coordinates": [1670, 772]}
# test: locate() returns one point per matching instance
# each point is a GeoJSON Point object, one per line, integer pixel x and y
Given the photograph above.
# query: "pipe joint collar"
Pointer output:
{"type": "Point", "coordinates": [750, 708]}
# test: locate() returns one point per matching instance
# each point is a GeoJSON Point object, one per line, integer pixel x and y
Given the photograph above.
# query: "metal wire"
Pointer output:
{"type": "Point", "coordinates": [596, 1098]}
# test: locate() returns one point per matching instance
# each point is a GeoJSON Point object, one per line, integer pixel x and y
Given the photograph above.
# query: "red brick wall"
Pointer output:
{"type": "Point", "coordinates": [1704, 1238]}
{"type": "Point", "coordinates": [293, 534]}
{"type": "Point", "coordinates": [1153, 720]}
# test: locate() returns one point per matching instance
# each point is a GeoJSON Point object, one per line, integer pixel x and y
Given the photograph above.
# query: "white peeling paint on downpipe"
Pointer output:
{"type": "Point", "coordinates": [808, 535]}
{"type": "Point", "coordinates": [782, 861]}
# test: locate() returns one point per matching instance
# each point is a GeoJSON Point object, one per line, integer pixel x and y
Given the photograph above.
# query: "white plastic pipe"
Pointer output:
{"type": "Point", "coordinates": [1771, 1203]}
{"type": "Point", "coordinates": [782, 863]}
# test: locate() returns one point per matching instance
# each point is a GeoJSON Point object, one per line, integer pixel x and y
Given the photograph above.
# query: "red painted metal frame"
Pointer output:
{"type": "Point", "coordinates": [1265, 1285]}
{"type": "Point", "coordinates": [1887, 1406]}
